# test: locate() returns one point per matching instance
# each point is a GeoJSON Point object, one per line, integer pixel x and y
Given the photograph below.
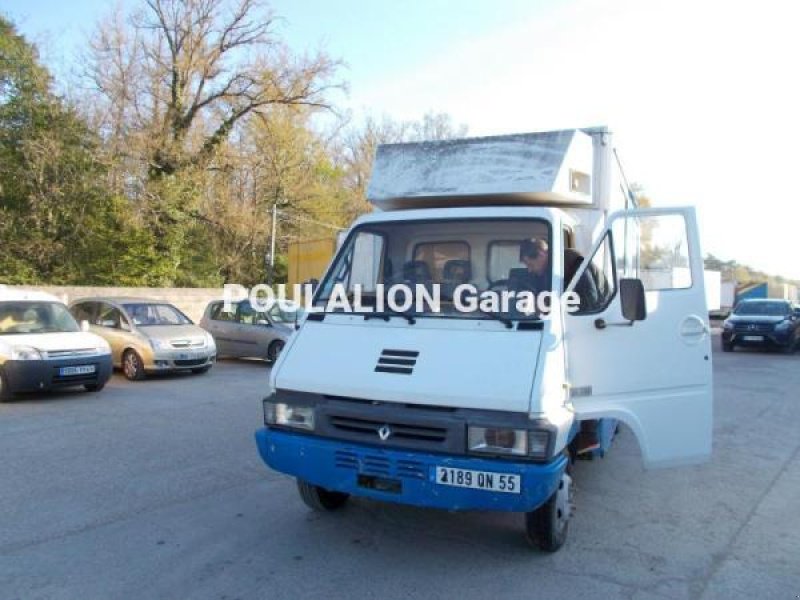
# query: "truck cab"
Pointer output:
{"type": "Point", "coordinates": [487, 408]}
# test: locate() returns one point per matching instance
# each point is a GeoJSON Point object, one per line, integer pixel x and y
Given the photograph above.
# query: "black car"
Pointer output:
{"type": "Point", "coordinates": [771, 323]}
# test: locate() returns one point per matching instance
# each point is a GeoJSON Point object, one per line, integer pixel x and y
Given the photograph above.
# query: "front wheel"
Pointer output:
{"type": "Point", "coordinates": [274, 350]}
{"type": "Point", "coordinates": [546, 527]}
{"type": "Point", "coordinates": [5, 391]}
{"type": "Point", "coordinates": [320, 499]}
{"type": "Point", "coordinates": [132, 366]}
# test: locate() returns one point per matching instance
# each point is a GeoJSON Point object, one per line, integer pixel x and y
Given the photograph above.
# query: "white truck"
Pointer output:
{"type": "Point", "coordinates": [487, 410]}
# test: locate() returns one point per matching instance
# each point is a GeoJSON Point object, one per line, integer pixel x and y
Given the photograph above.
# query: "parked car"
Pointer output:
{"type": "Point", "coordinates": [245, 333]}
{"type": "Point", "coordinates": [43, 348]}
{"type": "Point", "coordinates": [772, 323]}
{"type": "Point", "coordinates": [147, 336]}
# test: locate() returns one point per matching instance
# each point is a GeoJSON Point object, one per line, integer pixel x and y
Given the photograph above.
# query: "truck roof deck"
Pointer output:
{"type": "Point", "coordinates": [548, 168]}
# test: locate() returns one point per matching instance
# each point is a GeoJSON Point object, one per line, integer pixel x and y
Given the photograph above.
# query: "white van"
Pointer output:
{"type": "Point", "coordinates": [488, 409]}
{"type": "Point", "coordinates": [42, 347]}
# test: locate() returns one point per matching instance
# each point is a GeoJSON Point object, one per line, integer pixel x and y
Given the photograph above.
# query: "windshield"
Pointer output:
{"type": "Point", "coordinates": [441, 258]}
{"type": "Point", "coordinates": [767, 309]}
{"type": "Point", "coordinates": [35, 317]}
{"type": "Point", "coordinates": [145, 315]}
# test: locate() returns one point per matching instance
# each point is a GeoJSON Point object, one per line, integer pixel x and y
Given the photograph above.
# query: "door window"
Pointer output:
{"type": "Point", "coordinates": [219, 314]}
{"type": "Point", "coordinates": [110, 317]}
{"type": "Point", "coordinates": [597, 285]}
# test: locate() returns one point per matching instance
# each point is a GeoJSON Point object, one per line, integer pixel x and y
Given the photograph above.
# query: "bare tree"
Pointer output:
{"type": "Point", "coordinates": [183, 74]}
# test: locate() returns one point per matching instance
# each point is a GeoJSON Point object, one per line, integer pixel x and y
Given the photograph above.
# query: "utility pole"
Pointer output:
{"type": "Point", "coordinates": [271, 274]}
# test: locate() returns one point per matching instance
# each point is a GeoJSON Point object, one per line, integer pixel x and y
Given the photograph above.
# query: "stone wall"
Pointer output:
{"type": "Point", "coordinates": [191, 301]}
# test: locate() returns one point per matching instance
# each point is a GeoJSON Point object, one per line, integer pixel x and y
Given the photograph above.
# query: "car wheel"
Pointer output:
{"type": "Point", "coordinates": [546, 527]}
{"type": "Point", "coordinates": [5, 391]}
{"type": "Point", "coordinates": [132, 365]}
{"type": "Point", "coordinates": [727, 347]}
{"type": "Point", "coordinates": [201, 370]}
{"type": "Point", "coordinates": [320, 499]}
{"type": "Point", "coordinates": [94, 387]}
{"type": "Point", "coordinates": [274, 350]}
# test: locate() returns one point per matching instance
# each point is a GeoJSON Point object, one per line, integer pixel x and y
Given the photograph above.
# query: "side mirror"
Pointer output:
{"type": "Point", "coordinates": [314, 283]}
{"type": "Point", "coordinates": [84, 325]}
{"type": "Point", "coordinates": [631, 293]}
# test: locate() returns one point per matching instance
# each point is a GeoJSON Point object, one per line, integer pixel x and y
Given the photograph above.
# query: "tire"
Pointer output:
{"type": "Point", "coordinates": [320, 499]}
{"type": "Point", "coordinates": [274, 350]}
{"type": "Point", "coordinates": [201, 370]}
{"type": "Point", "coordinates": [132, 366]}
{"type": "Point", "coordinates": [727, 347]}
{"type": "Point", "coordinates": [5, 391]}
{"type": "Point", "coordinates": [547, 527]}
{"type": "Point", "coordinates": [94, 387]}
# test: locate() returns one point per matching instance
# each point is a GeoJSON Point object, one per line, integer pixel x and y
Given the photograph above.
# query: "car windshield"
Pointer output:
{"type": "Point", "coordinates": [144, 314]}
{"type": "Point", "coordinates": [768, 309]}
{"type": "Point", "coordinates": [456, 260]}
{"type": "Point", "coordinates": [22, 317]}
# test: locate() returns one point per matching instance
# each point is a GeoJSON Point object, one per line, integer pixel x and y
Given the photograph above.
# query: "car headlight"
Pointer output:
{"type": "Point", "coordinates": [157, 344]}
{"type": "Point", "coordinates": [727, 325]}
{"type": "Point", "coordinates": [287, 415]}
{"type": "Point", "coordinates": [784, 326]}
{"type": "Point", "coordinates": [512, 442]}
{"type": "Point", "coordinates": [25, 353]}
{"type": "Point", "coordinates": [210, 341]}
{"type": "Point", "coordinates": [103, 349]}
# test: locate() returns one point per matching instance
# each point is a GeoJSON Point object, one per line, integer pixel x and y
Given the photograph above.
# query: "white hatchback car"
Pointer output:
{"type": "Point", "coordinates": [42, 347]}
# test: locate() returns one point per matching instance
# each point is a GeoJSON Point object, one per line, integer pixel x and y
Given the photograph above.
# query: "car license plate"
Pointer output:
{"type": "Point", "coordinates": [79, 370]}
{"type": "Point", "coordinates": [753, 338]}
{"type": "Point", "coordinates": [478, 480]}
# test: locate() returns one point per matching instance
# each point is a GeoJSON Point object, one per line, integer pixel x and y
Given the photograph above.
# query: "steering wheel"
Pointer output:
{"type": "Point", "coordinates": [498, 285]}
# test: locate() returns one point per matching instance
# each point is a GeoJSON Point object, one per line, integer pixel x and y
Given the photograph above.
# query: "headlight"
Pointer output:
{"type": "Point", "coordinates": [210, 341]}
{"type": "Point", "coordinates": [25, 353]}
{"type": "Point", "coordinates": [103, 349]}
{"type": "Point", "coordinates": [784, 325]}
{"type": "Point", "coordinates": [286, 415]}
{"type": "Point", "coordinates": [513, 442]}
{"type": "Point", "coordinates": [157, 344]}
{"type": "Point", "coordinates": [727, 325]}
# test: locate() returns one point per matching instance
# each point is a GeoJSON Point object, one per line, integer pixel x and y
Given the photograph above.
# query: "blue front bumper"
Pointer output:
{"type": "Point", "coordinates": [336, 466]}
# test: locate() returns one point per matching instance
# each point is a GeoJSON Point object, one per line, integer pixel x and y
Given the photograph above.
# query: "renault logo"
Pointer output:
{"type": "Point", "coordinates": [384, 433]}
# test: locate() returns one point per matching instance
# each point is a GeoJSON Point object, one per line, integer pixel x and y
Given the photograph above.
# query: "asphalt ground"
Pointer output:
{"type": "Point", "coordinates": [155, 489]}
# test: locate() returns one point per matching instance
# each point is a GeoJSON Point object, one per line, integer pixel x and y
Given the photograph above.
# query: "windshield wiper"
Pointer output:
{"type": "Point", "coordinates": [385, 315]}
{"type": "Point", "coordinates": [509, 323]}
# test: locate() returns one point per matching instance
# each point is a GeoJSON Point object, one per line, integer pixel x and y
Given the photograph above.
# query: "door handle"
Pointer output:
{"type": "Point", "coordinates": [694, 328]}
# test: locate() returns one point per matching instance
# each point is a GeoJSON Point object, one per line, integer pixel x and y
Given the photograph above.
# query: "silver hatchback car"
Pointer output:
{"type": "Point", "coordinates": [246, 333]}
{"type": "Point", "coordinates": [147, 336]}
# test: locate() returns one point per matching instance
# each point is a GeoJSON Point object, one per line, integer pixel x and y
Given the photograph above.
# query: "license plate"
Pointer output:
{"type": "Point", "coordinates": [79, 370]}
{"type": "Point", "coordinates": [478, 480]}
{"type": "Point", "coordinates": [753, 338]}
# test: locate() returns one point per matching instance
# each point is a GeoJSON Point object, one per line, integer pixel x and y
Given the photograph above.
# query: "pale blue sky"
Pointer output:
{"type": "Point", "coordinates": [701, 94]}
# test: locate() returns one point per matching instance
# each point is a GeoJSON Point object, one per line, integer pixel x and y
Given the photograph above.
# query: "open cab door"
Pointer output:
{"type": "Point", "coordinates": [639, 347]}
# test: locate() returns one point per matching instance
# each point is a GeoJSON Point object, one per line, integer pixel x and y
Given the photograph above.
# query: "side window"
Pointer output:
{"type": "Point", "coordinates": [109, 317]}
{"type": "Point", "coordinates": [664, 253]}
{"type": "Point", "coordinates": [597, 285]}
{"type": "Point", "coordinates": [219, 314]}
{"type": "Point", "coordinates": [246, 315]}
{"type": "Point", "coordinates": [437, 254]}
{"type": "Point", "coordinates": [83, 311]}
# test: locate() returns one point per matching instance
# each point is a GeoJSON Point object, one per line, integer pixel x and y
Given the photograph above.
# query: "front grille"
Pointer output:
{"type": "Point", "coordinates": [400, 431]}
{"type": "Point", "coordinates": [187, 343]}
{"type": "Point", "coordinates": [379, 465]}
{"type": "Point", "coordinates": [191, 362]}
{"type": "Point", "coordinates": [754, 327]}
{"type": "Point", "coordinates": [77, 353]}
